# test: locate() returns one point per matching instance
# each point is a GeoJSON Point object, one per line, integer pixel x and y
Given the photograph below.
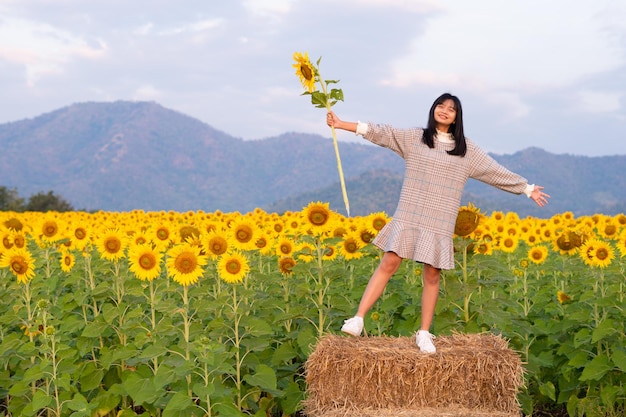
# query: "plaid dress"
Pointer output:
{"type": "Point", "coordinates": [422, 226]}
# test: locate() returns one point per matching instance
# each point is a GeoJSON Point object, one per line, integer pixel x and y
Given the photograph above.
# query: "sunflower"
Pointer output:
{"type": "Point", "coordinates": [596, 252]}
{"type": "Point", "coordinates": [284, 247]}
{"type": "Point", "coordinates": [467, 220]}
{"type": "Point", "coordinates": [111, 244]}
{"type": "Point", "coordinates": [20, 262]}
{"type": "Point", "coordinates": [497, 216]}
{"type": "Point", "coordinates": [184, 263]}
{"type": "Point", "coordinates": [608, 228]}
{"type": "Point", "coordinates": [144, 261]}
{"type": "Point", "coordinates": [567, 242]}
{"type": "Point", "coordinates": [376, 221]}
{"type": "Point", "coordinates": [318, 217]}
{"type": "Point", "coordinates": [79, 236]}
{"type": "Point", "coordinates": [264, 243]}
{"type": "Point", "coordinates": [161, 235]}
{"type": "Point", "coordinates": [286, 264]}
{"type": "Point", "coordinates": [215, 244]}
{"type": "Point", "coordinates": [509, 244]}
{"type": "Point", "coordinates": [350, 246]}
{"type": "Point", "coordinates": [538, 254]}
{"type": "Point", "coordinates": [366, 235]}
{"type": "Point", "coordinates": [483, 247]}
{"type": "Point", "coordinates": [243, 234]}
{"type": "Point", "coordinates": [68, 260]}
{"type": "Point", "coordinates": [7, 240]}
{"type": "Point", "coordinates": [562, 297]}
{"type": "Point", "coordinates": [19, 239]}
{"type": "Point", "coordinates": [233, 267]}
{"type": "Point", "coordinates": [305, 71]}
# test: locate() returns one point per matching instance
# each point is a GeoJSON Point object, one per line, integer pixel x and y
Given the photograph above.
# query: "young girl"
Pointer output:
{"type": "Point", "coordinates": [438, 161]}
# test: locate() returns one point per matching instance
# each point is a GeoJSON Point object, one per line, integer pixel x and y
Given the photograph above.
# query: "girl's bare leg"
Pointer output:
{"type": "Point", "coordinates": [388, 266]}
{"type": "Point", "coordinates": [431, 277]}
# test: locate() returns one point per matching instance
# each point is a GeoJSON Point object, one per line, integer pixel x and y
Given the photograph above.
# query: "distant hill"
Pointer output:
{"type": "Point", "coordinates": [124, 155]}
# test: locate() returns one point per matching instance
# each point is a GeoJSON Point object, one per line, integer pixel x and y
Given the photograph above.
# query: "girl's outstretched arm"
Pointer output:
{"type": "Point", "coordinates": [333, 120]}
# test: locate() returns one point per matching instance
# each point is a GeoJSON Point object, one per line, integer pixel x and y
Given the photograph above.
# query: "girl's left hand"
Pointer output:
{"type": "Point", "coordinates": [539, 196]}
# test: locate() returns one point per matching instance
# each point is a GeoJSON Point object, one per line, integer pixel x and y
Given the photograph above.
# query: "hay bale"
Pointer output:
{"type": "Point", "coordinates": [470, 375]}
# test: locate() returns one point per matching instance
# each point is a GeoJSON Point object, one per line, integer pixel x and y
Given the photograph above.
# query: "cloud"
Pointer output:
{"type": "Point", "coordinates": [531, 44]}
{"type": "Point", "coordinates": [42, 48]}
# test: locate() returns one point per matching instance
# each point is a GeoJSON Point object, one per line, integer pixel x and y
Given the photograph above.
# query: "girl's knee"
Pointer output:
{"type": "Point", "coordinates": [431, 275]}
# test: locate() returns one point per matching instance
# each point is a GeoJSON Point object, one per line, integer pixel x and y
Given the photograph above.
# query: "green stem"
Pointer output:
{"type": "Point", "coordinates": [339, 167]}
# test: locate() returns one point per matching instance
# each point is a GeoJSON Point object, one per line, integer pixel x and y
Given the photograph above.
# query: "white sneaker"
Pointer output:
{"type": "Point", "coordinates": [424, 340]}
{"type": "Point", "coordinates": [353, 326]}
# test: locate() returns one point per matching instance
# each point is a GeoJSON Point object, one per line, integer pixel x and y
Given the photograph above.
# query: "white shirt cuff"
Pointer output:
{"type": "Point", "coordinates": [361, 128]}
{"type": "Point", "coordinates": [529, 189]}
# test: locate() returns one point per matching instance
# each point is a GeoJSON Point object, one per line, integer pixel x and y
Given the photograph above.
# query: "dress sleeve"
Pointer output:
{"type": "Point", "coordinates": [485, 169]}
{"type": "Point", "coordinates": [398, 140]}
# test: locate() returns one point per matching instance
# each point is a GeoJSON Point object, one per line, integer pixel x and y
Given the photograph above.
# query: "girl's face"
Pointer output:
{"type": "Point", "coordinates": [445, 115]}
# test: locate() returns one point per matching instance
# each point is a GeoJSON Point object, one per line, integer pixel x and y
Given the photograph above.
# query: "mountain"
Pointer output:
{"type": "Point", "coordinates": [122, 156]}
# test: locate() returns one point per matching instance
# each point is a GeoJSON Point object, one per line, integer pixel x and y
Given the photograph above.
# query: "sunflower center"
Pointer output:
{"type": "Point", "coordinates": [186, 263]}
{"type": "Point", "coordinates": [378, 224]}
{"type": "Point", "coordinates": [286, 265]}
{"type": "Point", "coordinates": [19, 241]}
{"type": "Point", "coordinates": [285, 248]}
{"type": "Point", "coordinates": [162, 233]}
{"type": "Point", "coordinates": [67, 260]}
{"type": "Point", "coordinates": [602, 254]}
{"type": "Point", "coordinates": [261, 243]}
{"type": "Point", "coordinates": [6, 242]}
{"type": "Point", "coordinates": [218, 246]}
{"type": "Point", "coordinates": [367, 237]}
{"type": "Point", "coordinates": [113, 245]}
{"type": "Point", "coordinates": [243, 234]}
{"type": "Point", "coordinates": [49, 229]}
{"type": "Point", "coordinates": [351, 246]}
{"type": "Point", "coordinates": [306, 72]}
{"type": "Point", "coordinates": [19, 265]}
{"type": "Point", "coordinates": [147, 261]}
{"type": "Point", "coordinates": [318, 217]}
{"type": "Point", "coordinates": [233, 266]}
{"type": "Point", "coordinates": [80, 233]}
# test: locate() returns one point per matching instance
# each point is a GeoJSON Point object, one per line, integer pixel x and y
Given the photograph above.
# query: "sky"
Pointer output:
{"type": "Point", "coordinates": [529, 73]}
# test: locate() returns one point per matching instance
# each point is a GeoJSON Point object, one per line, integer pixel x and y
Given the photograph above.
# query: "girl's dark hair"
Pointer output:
{"type": "Point", "coordinates": [460, 146]}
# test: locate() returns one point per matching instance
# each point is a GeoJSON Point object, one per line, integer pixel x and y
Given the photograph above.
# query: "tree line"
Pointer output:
{"type": "Point", "coordinates": [41, 201]}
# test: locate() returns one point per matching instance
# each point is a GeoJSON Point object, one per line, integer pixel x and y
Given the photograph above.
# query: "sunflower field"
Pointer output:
{"type": "Point", "coordinates": [214, 314]}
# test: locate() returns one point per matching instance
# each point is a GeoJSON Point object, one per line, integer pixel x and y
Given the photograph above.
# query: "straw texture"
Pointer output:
{"type": "Point", "coordinates": [471, 375]}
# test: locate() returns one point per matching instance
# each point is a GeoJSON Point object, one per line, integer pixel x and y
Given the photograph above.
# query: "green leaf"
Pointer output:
{"type": "Point", "coordinates": [609, 394]}
{"type": "Point", "coordinates": [319, 99]}
{"type": "Point", "coordinates": [78, 403]}
{"type": "Point", "coordinates": [619, 359]}
{"type": "Point", "coordinates": [95, 329]}
{"type": "Point", "coordinates": [336, 94]}
{"type": "Point", "coordinates": [264, 378]}
{"type": "Point", "coordinates": [582, 337]}
{"type": "Point", "coordinates": [178, 405]}
{"type": "Point", "coordinates": [91, 377]}
{"type": "Point", "coordinates": [596, 369]}
{"type": "Point", "coordinates": [40, 400]}
{"type": "Point", "coordinates": [606, 328]}
{"type": "Point", "coordinates": [579, 359]}
{"type": "Point", "coordinates": [141, 390]}
{"type": "Point", "coordinates": [547, 389]}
